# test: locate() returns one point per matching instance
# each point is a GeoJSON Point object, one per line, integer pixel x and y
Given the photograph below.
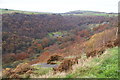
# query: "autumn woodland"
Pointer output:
{"type": "Point", "coordinates": [76, 44]}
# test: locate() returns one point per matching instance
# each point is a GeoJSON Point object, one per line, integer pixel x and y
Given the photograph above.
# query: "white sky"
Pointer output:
{"type": "Point", "coordinates": [60, 6]}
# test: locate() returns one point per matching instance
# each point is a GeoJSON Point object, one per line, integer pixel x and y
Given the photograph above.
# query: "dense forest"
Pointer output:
{"type": "Point", "coordinates": [22, 28]}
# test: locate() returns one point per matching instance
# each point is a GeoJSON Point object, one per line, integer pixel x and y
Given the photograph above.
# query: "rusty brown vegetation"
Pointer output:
{"type": "Point", "coordinates": [21, 69]}
{"type": "Point", "coordinates": [66, 65]}
{"type": "Point", "coordinates": [101, 41]}
{"type": "Point", "coordinates": [54, 58]}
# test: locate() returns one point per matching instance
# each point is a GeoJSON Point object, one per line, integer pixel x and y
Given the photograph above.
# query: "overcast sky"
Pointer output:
{"type": "Point", "coordinates": [60, 6]}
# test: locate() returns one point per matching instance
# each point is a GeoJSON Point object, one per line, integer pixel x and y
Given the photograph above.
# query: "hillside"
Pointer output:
{"type": "Point", "coordinates": [33, 44]}
{"type": "Point", "coordinates": [83, 12]}
{"type": "Point", "coordinates": [77, 12]}
{"type": "Point", "coordinates": [10, 11]}
{"type": "Point", "coordinates": [104, 66]}
{"type": "Point", "coordinates": [38, 26]}
{"type": "Point", "coordinates": [89, 13]}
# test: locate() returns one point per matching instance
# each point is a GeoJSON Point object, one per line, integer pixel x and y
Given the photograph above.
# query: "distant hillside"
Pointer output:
{"type": "Point", "coordinates": [82, 12]}
{"type": "Point", "coordinates": [5, 11]}
{"type": "Point", "coordinates": [93, 13]}
{"type": "Point", "coordinates": [76, 13]}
